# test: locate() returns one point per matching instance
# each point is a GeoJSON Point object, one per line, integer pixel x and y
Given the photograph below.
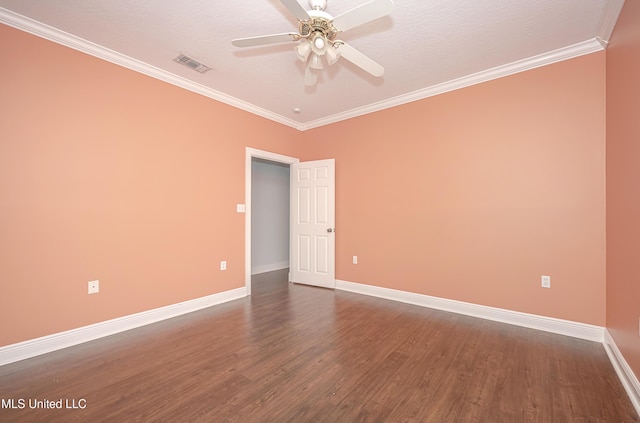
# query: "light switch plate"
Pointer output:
{"type": "Point", "coordinates": [240, 208]}
{"type": "Point", "coordinates": [545, 281]}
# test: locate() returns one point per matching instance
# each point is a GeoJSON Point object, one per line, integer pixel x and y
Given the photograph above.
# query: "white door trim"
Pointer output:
{"type": "Point", "coordinates": [259, 154]}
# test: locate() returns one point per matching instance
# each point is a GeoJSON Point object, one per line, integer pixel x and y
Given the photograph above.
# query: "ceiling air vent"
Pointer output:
{"type": "Point", "coordinates": [193, 64]}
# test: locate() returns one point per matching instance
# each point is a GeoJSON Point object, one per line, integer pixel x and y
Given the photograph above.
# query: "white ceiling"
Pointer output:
{"type": "Point", "coordinates": [426, 46]}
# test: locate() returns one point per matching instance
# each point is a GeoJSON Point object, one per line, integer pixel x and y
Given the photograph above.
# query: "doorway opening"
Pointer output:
{"type": "Point", "coordinates": [269, 162]}
{"type": "Point", "coordinates": [270, 192]}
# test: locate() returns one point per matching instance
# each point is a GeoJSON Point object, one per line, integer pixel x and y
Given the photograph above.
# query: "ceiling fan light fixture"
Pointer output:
{"type": "Point", "coordinates": [317, 32]}
{"type": "Point", "coordinates": [318, 43]}
{"type": "Point", "coordinates": [303, 50]}
{"type": "Point", "coordinates": [316, 62]}
{"type": "Point", "coordinates": [332, 55]}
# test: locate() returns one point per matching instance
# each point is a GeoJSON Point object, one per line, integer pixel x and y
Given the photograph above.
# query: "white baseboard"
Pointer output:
{"type": "Point", "coordinates": [548, 324]}
{"type": "Point", "coordinates": [255, 270]}
{"type": "Point", "coordinates": [625, 374]}
{"type": "Point", "coordinates": [33, 347]}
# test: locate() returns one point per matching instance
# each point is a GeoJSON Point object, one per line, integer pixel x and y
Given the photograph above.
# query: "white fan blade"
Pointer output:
{"type": "Point", "coordinates": [357, 58]}
{"type": "Point", "coordinates": [265, 39]}
{"type": "Point", "coordinates": [362, 14]}
{"type": "Point", "coordinates": [310, 77]}
{"type": "Point", "coordinates": [296, 9]}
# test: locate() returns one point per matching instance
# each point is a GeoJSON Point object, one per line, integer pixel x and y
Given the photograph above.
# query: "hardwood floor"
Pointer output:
{"type": "Point", "coordinates": [293, 353]}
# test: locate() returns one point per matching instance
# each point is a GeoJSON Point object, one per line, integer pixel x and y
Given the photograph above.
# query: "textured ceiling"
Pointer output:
{"type": "Point", "coordinates": [425, 46]}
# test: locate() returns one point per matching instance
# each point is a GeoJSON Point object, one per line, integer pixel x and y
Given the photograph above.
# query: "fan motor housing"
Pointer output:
{"type": "Point", "coordinates": [318, 23]}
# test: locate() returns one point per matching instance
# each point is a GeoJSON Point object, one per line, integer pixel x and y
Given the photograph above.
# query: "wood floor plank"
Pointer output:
{"type": "Point", "coordinates": [294, 353]}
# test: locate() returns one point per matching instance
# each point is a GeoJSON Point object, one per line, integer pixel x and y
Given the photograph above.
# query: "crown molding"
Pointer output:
{"type": "Point", "coordinates": [610, 17]}
{"type": "Point", "coordinates": [565, 53]}
{"type": "Point", "coordinates": [60, 37]}
{"type": "Point", "coordinates": [52, 34]}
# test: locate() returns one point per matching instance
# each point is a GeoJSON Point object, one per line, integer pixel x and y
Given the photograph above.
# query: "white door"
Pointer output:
{"type": "Point", "coordinates": [313, 241]}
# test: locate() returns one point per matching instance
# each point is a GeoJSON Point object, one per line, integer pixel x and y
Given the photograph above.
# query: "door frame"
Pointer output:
{"type": "Point", "coordinates": [251, 153]}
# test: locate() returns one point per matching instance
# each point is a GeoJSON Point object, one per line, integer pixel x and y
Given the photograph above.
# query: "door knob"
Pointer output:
{"type": "Point", "coordinates": [330, 230]}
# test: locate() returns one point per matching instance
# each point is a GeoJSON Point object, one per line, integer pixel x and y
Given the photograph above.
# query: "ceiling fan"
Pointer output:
{"type": "Point", "coordinates": [317, 31]}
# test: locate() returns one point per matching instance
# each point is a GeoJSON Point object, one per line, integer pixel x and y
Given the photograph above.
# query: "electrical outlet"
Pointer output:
{"type": "Point", "coordinates": [223, 265]}
{"type": "Point", "coordinates": [94, 287]}
{"type": "Point", "coordinates": [355, 259]}
{"type": "Point", "coordinates": [545, 281]}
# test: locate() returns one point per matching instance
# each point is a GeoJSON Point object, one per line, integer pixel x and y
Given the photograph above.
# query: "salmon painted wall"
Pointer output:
{"type": "Point", "coordinates": [623, 184]}
{"type": "Point", "coordinates": [472, 195]}
{"type": "Point", "coordinates": [108, 174]}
